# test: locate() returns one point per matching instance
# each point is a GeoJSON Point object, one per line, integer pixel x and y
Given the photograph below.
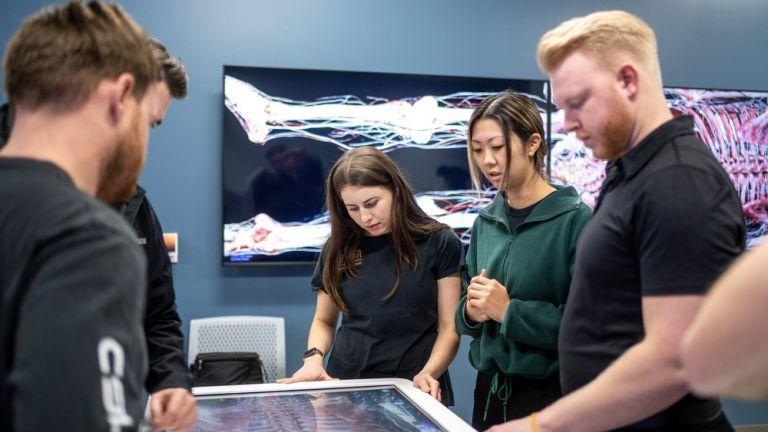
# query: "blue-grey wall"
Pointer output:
{"type": "Point", "coordinates": [702, 43]}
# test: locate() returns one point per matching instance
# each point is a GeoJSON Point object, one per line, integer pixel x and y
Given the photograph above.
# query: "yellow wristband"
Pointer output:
{"type": "Point", "coordinates": [534, 423]}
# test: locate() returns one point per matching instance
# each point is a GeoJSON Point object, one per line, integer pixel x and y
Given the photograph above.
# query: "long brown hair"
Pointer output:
{"type": "Point", "coordinates": [516, 114]}
{"type": "Point", "coordinates": [369, 167]}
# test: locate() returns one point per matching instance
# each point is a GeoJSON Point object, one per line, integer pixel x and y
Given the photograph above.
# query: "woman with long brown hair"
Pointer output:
{"type": "Point", "coordinates": [393, 272]}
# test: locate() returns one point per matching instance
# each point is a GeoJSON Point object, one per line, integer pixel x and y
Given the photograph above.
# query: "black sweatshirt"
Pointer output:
{"type": "Point", "coordinates": [162, 325]}
{"type": "Point", "coordinates": [72, 282]}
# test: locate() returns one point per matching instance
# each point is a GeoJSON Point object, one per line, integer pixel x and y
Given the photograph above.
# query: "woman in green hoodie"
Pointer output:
{"type": "Point", "coordinates": [518, 267]}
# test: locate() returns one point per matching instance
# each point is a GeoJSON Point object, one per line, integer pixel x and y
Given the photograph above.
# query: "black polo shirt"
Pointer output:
{"type": "Point", "coordinates": [668, 222]}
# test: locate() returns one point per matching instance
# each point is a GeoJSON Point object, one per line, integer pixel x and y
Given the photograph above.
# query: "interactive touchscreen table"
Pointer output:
{"type": "Point", "coordinates": [341, 406]}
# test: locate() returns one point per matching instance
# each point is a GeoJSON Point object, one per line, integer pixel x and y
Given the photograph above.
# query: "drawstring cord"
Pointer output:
{"type": "Point", "coordinates": [503, 392]}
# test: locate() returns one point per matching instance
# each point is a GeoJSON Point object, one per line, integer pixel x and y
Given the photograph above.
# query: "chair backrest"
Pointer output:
{"type": "Point", "coordinates": [259, 334]}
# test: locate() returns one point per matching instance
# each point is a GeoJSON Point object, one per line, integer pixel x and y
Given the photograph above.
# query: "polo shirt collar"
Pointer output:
{"type": "Point", "coordinates": [634, 160]}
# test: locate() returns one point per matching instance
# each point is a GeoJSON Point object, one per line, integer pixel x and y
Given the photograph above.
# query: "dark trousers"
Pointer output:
{"type": "Point", "coordinates": [525, 395]}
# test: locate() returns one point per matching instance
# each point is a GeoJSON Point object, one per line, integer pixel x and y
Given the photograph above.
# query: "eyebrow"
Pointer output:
{"type": "Point", "coordinates": [476, 141]}
{"type": "Point", "coordinates": [364, 202]}
{"type": "Point", "coordinates": [577, 96]}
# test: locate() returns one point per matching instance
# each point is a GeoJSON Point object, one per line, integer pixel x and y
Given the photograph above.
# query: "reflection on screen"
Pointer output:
{"type": "Point", "coordinates": [362, 409]}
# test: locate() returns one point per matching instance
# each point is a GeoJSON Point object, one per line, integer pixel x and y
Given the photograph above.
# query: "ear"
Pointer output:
{"type": "Point", "coordinates": [628, 78]}
{"type": "Point", "coordinates": [120, 91]}
{"type": "Point", "coordinates": [533, 144]}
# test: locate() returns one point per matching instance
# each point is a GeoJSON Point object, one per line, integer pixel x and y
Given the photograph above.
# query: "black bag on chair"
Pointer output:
{"type": "Point", "coordinates": [218, 368]}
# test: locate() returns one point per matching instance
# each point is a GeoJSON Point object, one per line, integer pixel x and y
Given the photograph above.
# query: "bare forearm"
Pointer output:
{"type": "Point", "coordinates": [732, 316]}
{"type": "Point", "coordinates": [443, 352]}
{"type": "Point", "coordinates": [639, 384]}
{"type": "Point", "coordinates": [320, 336]}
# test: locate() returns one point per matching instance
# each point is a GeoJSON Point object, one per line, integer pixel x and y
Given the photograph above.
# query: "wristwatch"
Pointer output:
{"type": "Point", "coordinates": [312, 351]}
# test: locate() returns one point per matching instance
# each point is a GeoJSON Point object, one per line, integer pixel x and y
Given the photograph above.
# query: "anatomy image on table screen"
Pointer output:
{"type": "Point", "coordinates": [360, 410]}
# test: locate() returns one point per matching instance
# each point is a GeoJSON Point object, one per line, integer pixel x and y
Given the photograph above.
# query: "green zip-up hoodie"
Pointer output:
{"type": "Point", "coordinates": [534, 262]}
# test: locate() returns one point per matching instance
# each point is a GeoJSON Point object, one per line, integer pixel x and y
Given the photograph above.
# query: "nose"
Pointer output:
{"type": "Point", "coordinates": [570, 122]}
{"type": "Point", "coordinates": [365, 215]}
{"type": "Point", "coordinates": [488, 159]}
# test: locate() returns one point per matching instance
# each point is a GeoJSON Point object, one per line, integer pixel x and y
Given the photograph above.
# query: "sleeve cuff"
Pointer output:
{"type": "Point", "coordinates": [509, 320]}
{"type": "Point", "coordinates": [174, 380]}
{"type": "Point", "coordinates": [462, 326]}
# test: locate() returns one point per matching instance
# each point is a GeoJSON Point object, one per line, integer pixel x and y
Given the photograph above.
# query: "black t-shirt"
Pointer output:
{"type": "Point", "coordinates": [391, 338]}
{"type": "Point", "coordinates": [669, 223]}
{"type": "Point", "coordinates": [516, 216]}
{"type": "Point", "coordinates": [72, 283]}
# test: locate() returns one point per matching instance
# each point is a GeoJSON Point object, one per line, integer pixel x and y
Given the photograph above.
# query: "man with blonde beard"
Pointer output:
{"type": "Point", "coordinates": [666, 224]}
{"type": "Point", "coordinates": [79, 80]}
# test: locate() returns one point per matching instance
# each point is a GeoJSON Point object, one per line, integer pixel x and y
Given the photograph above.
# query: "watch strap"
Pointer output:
{"type": "Point", "coordinates": [312, 351]}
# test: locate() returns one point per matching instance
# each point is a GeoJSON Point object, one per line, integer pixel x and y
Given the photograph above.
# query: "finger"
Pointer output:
{"type": "Point", "coordinates": [186, 416]}
{"type": "Point", "coordinates": [304, 377]}
{"type": "Point", "coordinates": [480, 285]}
{"type": "Point", "coordinates": [156, 405]}
{"type": "Point", "coordinates": [483, 273]}
{"type": "Point", "coordinates": [475, 304]}
{"type": "Point", "coordinates": [166, 424]}
{"type": "Point", "coordinates": [174, 409]}
{"type": "Point", "coordinates": [478, 280]}
{"type": "Point", "coordinates": [476, 290]}
{"type": "Point", "coordinates": [439, 394]}
{"type": "Point", "coordinates": [189, 418]}
{"type": "Point", "coordinates": [293, 379]}
{"type": "Point", "coordinates": [190, 404]}
{"type": "Point", "coordinates": [434, 388]}
{"type": "Point", "coordinates": [472, 294]}
{"type": "Point", "coordinates": [474, 301]}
